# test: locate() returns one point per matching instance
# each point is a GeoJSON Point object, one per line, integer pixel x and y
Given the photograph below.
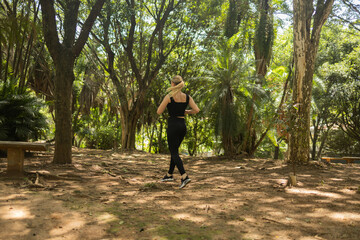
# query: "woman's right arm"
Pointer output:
{"type": "Point", "coordinates": [163, 105]}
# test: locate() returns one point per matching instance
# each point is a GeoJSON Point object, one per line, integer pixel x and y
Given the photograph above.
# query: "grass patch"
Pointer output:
{"type": "Point", "coordinates": [150, 186]}
{"type": "Point", "coordinates": [179, 230]}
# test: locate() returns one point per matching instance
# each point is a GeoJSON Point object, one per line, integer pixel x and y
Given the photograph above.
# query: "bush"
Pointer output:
{"type": "Point", "coordinates": [20, 117]}
{"type": "Point", "coordinates": [339, 143]}
{"type": "Point", "coordinates": [102, 138]}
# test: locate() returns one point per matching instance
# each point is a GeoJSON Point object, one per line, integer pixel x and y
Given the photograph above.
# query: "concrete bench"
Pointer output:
{"type": "Point", "coordinates": [16, 153]}
{"type": "Point", "coordinates": [351, 159]}
{"type": "Point", "coordinates": [341, 159]}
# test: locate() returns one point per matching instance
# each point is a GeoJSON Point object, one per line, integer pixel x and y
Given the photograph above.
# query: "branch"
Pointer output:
{"type": "Point", "coordinates": [351, 5]}
{"type": "Point", "coordinates": [7, 5]}
{"type": "Point", "coordinates": [130, 43]}
{"type": "Point", "coordinates": [159, 28]}
{"type": "Point", "coordinates": [85, 30]}
{"type": "Point", "coordinates": [323, 11]}
{"type": "Point", "coordinates": [70, 22]}
{"type": "Point", "coordinates": [349, 22]}
{"type": "Point", "coordinates": [97, 58]}
{"type": "Point", "coordinates": [49, 27]}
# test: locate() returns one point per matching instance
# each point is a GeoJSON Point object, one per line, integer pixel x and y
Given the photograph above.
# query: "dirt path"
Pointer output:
{"type": "Point", "coordinates": [107, 195]}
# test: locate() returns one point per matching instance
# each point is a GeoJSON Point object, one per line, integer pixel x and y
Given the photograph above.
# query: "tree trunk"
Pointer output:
{"type": "Point", "coordinates": [63, 97]}
{"type": "Point", "coordinates": [151, 137]}
{"type": "Point", "coordinates": [228, 145]}
{"type": "Point", "coordinates": [306, 41]}
{"type": "Point", "coordinates": [128, 129]}
{"type": "Point", "coordinates": [160, 145]}
{"type": "Point", "coordinates": [316, 125]}
{"type": "Point", "coordinates": [322, 144]}
{"type": "Point", "coordinates": [277, 151]}
{"type": "Point", "coordinates": [64, 54]}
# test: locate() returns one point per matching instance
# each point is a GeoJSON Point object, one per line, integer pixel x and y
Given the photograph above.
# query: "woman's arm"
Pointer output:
{"type": "Point", "coordinates": [163, 105]}
{"type": "Point", "coordinates": [194, 107]}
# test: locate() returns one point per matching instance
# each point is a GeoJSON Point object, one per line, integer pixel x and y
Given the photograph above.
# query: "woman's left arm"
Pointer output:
{"type": "Point", "coordinates": [163, 105]}
{"type": "Point", "coordinates": [194, 107]}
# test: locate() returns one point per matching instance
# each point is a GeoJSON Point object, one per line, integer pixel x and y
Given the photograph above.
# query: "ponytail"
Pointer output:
{"type": "Point", "coordinates": [179, 85]}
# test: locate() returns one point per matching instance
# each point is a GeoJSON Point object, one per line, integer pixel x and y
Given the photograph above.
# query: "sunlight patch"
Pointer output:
{"type": "Point", "coordinates": [11, 197]}
{"type": "Point", "coordinates": [66, 228]}
{"type": "Point", "coordinates": [348, 191]}
{"type": "Point", "coordinates": [142, 201]}
{"type": "Point", "coordinates": [15, 213]}
{"type": "Point", "coordinates": [353, 202]}
{"type": "Point", "coordinates": [188, 217]}
{"type": "Point", "coordinates": [313, 192]}
{"type": "Point", "coordinates": [106, 218]}
{"type": "Point", "coordinates": [336, 179]}
{"type": "Point", "coordinates": [345, 216]}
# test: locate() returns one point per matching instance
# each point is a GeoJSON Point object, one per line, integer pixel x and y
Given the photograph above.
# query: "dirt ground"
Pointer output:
{"type": "Point", "coordinates": [109, 195]}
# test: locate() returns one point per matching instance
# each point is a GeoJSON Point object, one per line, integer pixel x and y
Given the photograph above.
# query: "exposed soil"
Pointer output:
{"type": "Point", "coordinates": [109, 195]}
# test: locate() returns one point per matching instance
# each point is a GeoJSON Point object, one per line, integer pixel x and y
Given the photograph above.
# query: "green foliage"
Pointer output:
{"type": "Point", "coordinates": [231, 91]}
{"type": "Point", "coordinates": [347, 97]}
{"type": "Point", "coordinates": [339, 143]}
{"type": "Point", "coordinates": [97, 129]}
{"type": "Point", "coordinates": [101, 138]}
{"type": "Point", "coordinates": [200, 135]}
{"type": "Point", "coordinates": [20, 115]}
{"type": "Point", "coordinates": [340, 69]}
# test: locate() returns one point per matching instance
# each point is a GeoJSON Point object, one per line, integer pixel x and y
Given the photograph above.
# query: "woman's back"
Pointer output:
{"type": "Point", "coordinates": [179, 97]}
{"type": "Point", "coordinates": [177, 107]}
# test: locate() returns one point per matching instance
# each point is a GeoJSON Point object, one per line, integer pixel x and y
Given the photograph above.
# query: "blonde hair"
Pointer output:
{"type": "Point", "coordinates": [179, 85]}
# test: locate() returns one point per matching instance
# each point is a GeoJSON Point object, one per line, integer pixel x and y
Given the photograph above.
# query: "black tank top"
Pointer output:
{"type": "Point", "coordinates": [177, 109]}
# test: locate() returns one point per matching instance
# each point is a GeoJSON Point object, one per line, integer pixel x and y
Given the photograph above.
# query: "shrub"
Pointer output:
{"type": "Point", "coordinates": [339, 143]}
{"type": "Point", "coordinates": [102, 138]}
{"type": "Point", "coordinates": [20, 117]}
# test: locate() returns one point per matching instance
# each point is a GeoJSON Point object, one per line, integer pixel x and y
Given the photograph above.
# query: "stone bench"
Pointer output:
{"type": "Point", "coordinates": [341, 159]}
{"type": "Point", "coordinates": [16, 153]}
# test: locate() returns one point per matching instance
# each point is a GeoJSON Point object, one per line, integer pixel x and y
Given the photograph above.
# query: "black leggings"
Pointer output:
{"type": "Point", "coordinates": [175, 134]}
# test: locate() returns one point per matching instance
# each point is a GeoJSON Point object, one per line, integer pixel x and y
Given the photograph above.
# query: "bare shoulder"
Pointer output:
{"type": "Point", "coordinates": [167, 98]}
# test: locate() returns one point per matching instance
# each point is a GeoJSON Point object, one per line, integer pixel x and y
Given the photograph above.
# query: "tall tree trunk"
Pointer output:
{"type": "Point", "coordinates": [307, 28]}
{"type": "Point", "coordinates": [314, 138]}
{"type": "Point", "coordinates": [129, 121]}
{"type": "Point", "coordinates": [160, 136]}
{"type": "Point", "coordinates": [152, 129]}
{"type": "Point", "coordinates": [64, 54]}
{"type": "Point", "coordinates": [63, 99]}
{"type": "Point", "coordinates": [322, 144]}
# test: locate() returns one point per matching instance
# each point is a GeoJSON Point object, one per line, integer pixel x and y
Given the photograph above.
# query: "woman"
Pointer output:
{"type": "Point", "coordinates": [176, 102]}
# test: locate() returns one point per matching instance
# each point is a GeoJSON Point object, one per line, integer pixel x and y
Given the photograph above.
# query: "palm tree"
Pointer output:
{"type": "Point", "coordinates": [229, 81]}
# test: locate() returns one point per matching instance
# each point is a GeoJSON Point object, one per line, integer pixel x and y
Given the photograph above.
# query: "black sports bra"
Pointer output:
{"type": "Point", "coordinates": [177, 109]}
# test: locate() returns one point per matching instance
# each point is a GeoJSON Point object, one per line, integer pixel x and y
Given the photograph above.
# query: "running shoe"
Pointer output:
{"type": "Point", "coordinates": [166, 178]}
{"type": "Point", "coordinates": [184, 182]}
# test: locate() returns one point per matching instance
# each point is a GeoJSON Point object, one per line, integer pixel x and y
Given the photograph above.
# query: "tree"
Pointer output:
{"type": "Point", "coordinates": [137, 41]}
{"type": "Point", "coordinates": [229, 81]}
{"type": "Point", "coordinates": [263, 42]}
{"type": "Point", "coordinates": [64, 54]}
{"type": "Point", "coordinates": [18, 40]}
{"type": "Point", "coordinates": [307, 27]}
{"type": "Point", "coordinates": [324, 117]}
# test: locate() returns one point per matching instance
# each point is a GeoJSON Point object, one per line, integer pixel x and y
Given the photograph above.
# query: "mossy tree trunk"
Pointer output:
{"type": "Point", "coordinates": [307, 27]}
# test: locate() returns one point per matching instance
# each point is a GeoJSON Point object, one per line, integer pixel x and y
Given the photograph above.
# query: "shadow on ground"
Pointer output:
{"type": "Point", "coordinates": [108, 195]}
